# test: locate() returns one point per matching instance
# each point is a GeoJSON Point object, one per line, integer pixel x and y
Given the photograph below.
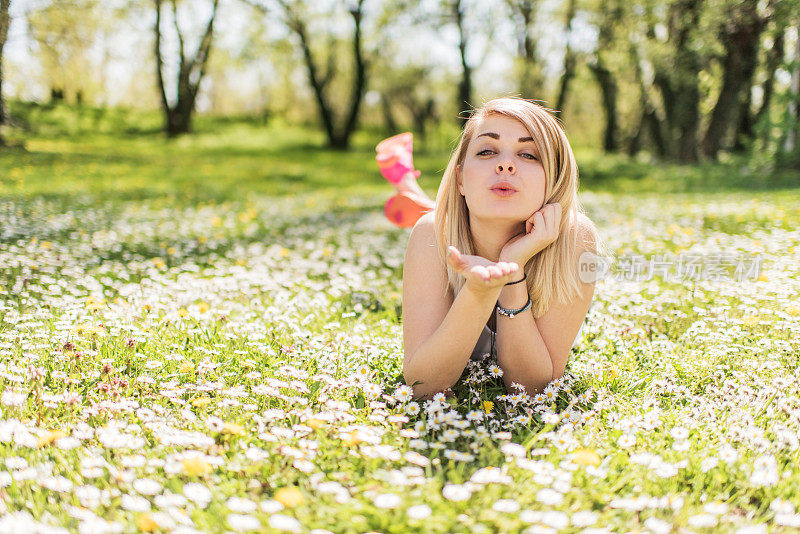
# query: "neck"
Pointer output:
{"type": "Point", "coordinates": [490, 235]}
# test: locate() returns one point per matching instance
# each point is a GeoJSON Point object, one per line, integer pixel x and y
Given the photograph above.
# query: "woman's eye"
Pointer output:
{"type": "Point", "coordinates": [481, 153]}
{"type": "Point", "coordinates": [528, 156]}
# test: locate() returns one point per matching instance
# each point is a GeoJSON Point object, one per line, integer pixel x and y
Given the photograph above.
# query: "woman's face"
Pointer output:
{"type": "Point", "coordinates": [502, 177]}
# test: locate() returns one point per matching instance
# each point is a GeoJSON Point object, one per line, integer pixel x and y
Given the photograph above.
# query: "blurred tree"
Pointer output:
{"type": "Point", "coordinates": [5, 22]}
{"type": "Point", "coordinates": [64, 33]}
{"type": "Point", "coordinates": [178, 114]}
{"type": "Point", "coordinates": [296, 16]}
{"type": "Point", "coordinates": [570, 60]}
{"type": "Point", "coordinates": [464, 97]}
{"type": "Point", "coordinates": [677, 74]}
{"type": "Point", "coordinates": [525, 14]}
{"type": "Point", "coordinates": [410, 88]}
{"type": "Point", "coordinates": [649, 124]}
{"type": "Point", "coordinates": [740, 33]}
{"type": "Point", "coordinates": [775, 55]}
{"type": "Point", "coordinates": [610, 15]}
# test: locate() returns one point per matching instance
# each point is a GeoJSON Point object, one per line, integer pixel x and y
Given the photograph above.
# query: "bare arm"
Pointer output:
{"type": "Point", "coordinates": [532, 352]}
{"type": "Point", "coordinates": [439, 332]}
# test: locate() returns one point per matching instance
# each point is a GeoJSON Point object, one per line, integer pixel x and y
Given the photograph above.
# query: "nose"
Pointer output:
{"type": "Point", "coordinates": [509, 166]}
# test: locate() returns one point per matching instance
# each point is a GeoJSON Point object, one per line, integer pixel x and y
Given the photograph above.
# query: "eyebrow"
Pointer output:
{"type": "Point", "coordinates": [497, 136]}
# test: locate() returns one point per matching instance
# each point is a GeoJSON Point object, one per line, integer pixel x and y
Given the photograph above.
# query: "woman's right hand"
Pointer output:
{"type": "Point", "coordinates": [481, 275]}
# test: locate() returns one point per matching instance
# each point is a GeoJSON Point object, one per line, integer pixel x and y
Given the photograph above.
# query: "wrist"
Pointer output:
{"type": "Point", "coordinates": [519, 261]}
{"type": "Point", "coordinates": [484, 294]}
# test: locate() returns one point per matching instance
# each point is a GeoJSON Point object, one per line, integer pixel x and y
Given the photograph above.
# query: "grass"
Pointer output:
{"type": "Point", "coordinates": [205, 334]}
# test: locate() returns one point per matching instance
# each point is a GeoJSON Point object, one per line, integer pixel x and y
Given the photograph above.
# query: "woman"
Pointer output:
{"type": "Point", "coordinates": [495, 267]}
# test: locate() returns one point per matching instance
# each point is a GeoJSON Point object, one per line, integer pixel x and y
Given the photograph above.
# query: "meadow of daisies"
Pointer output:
{"type": "Point", "coordinates": [194, 338]}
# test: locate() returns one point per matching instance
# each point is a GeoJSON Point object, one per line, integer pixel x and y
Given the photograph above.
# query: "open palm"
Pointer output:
{"type": "Point", "coordinates": [481, 274]}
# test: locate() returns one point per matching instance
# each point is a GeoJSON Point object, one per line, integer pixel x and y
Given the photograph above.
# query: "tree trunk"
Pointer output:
{"type": "Point", "coordinates": [465, 84]}
{"type": "Point", "coordinates": [569, 63]}
{"type": "Point", "coordinates": [649, 121]}
{"type": "Point", "coordinates": [178, 116]}
{"type": "Point", "coordinates": [605, 78]}
{"type": "Point", "coordinates": [338, 136]}
{"type": "Point", "coordinates": [740, 37]}
{"type": "Point", "coordinates": [530, 81]}
{"type": "Point", "coordinates": [5, 22]}
{"type": "Point", "coordinates": [791, 144]}
{"type": "Point", "coordinates": [360, 81]}
{"type": "Point", "coordinates": [679, 82]}
{"type": "Point", "coordinates": [388, 115]}
{"type": "Point", "coordinates": [608, 89]}
{"type": "Point", "coordinates": [774, 59]}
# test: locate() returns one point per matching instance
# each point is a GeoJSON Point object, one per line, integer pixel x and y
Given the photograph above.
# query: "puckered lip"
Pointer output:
{"type": "Point", "coordinates": [503, 185]}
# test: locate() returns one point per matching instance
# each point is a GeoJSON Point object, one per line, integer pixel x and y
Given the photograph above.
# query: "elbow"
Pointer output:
{"type": "Point", "coordinates": [424, 387]}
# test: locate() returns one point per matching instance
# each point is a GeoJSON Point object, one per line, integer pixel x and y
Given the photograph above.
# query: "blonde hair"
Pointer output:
{"type": "Point", "coordinates": [552, 272]}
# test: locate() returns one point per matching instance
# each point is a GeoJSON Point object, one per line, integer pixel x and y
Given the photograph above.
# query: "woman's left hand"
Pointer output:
{"type": "Point", "coordinates": [541, 229]}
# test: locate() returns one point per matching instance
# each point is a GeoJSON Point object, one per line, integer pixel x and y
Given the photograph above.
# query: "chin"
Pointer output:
{"type": "Point", "coordinates": [499, 214]}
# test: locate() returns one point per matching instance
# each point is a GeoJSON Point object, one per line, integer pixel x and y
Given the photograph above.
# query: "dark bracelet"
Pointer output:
{"type": "Point", "coordinates": [511, 313]}
{"type": "Point", "coordinates": [524, 276]}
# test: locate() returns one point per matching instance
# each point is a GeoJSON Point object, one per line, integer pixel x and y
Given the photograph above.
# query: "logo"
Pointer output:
{"type": "Point", "coordinates": [592, 267]}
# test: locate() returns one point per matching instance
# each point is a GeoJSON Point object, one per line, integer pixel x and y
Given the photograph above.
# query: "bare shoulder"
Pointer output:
{"type": "Point", "coordinates": [586, 233]}
{"type": "Point", "coordinates": [425, 225]}
{"type": "Point", "coordinates": [422, 241]}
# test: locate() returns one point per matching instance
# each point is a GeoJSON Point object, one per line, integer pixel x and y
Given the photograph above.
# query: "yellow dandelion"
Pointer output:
{"type": "Point", "coordinates": [93, 304]}
{"type": "Point", "coordinates": [195, 466]}
{"type": "Point", "coordinates": [315, 423]}
{"type": "Point", "coordinates": [146, 523]}
{"type": "Point", "coordinates": [290, 497]}
{"type": "Point", "coordinates": [750, 320]}
{"type": "Point", "coordinates": [233, 429]}
{"type": "Point", "coordinates": [201, 401]}
{"type": "Point", "coordinates": [171, 251]}
{"type": "Point", "coordinates": [187, 367]}
{"type": "Point", "coordinates": [487, 406]}
{"type": "Point", "coordinates": [586, 457]}
{"type": "Point", "coordinates": [763, 277]}
{"type": "Point", "coordinates": [351, 439]}
{"type": "Point", "coordinates": [50, 437]}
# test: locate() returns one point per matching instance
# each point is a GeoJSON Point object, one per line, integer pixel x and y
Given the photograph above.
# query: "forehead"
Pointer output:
{"type": "Point", "coordinates": [502, 125]}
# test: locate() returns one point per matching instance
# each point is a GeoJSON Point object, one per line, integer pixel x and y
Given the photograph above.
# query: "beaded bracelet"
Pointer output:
{"type": "Point", "coordinates": [524, 276]}
{"type": "Point", "coordinates": [511, 313]}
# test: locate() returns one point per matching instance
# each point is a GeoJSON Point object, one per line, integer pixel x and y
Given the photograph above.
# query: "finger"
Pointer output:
{"type": "Point", "coordinates": [548, 216]}
{"type": "Point", "coordinates": [481, 272]}
{"type": "Point", "coordinates": [538, 221]}
{"type": "Point", "coordinates": [509, 267]}
{"type": "Point", "coordinates": [455, 259]}
{"type": "Point", "coordinates": [494, 271]}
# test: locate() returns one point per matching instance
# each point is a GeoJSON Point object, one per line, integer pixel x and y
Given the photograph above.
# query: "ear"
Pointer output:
{"type": "Point", "coordinates": [458, 180]}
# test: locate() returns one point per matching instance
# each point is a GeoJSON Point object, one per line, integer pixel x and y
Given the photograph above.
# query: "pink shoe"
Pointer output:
{"type": "Point", "coordinates": [404, 209]}
{"type": "Point", "coordinates": [395, 160]}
